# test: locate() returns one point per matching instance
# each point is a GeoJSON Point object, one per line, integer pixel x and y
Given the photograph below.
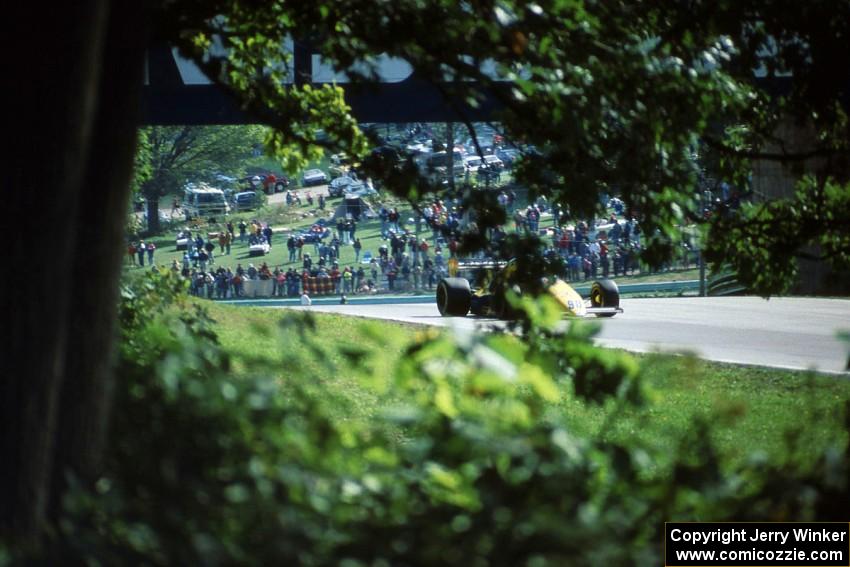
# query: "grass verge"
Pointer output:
{"type": "Point", "coordinates": [779, 414]}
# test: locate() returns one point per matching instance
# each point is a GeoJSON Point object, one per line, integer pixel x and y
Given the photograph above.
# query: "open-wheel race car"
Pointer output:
{"type": "Point", "coordinates": [457, 298]}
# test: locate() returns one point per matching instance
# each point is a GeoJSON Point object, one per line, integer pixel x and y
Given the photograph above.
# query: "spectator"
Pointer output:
{"type": "Point", "coordinates": [359, 276]}
{"type": "Point", "coordinates": [280, 280]}
{"type": "Point", "coordinates": [151, 248]}
{"type": "Point", "coordinates": [243, 227]}
{"type": "Point", "coordinates": [210, 248]}
{"type": "Point", "coordinates": [393, 218]}
{"type": "Point", "coordinates": [384, 216]}
{"type": "Point", "coordinates": [290, 245]}
{"type": "Point", "coordinates": [347, 279]}
{"type": "Point", "coordinates": [131, 251]}
{"type": "Point", "coordinates": [574, 267]}
{"type": "Point", "coordinates": [222, 241]}
{"type": "Point", "coordinates": [305, 299]}
{"type": "Point", "coordinates": [357, 248]}
{"type": "Point", "coordinates": [252, 272]}
{"type": "Point", "coordinates": [391, 275]}
{"type": "Point", "coordinates": [228, 242]}
{"type": "Point", "coordinates": [264, 273]}
{"type": "Point", "coordinates": [267, 232]}
{"type": "Point", "coordinates": [140, 251]}
{"type": "Point", "coordinates": [336, 278]}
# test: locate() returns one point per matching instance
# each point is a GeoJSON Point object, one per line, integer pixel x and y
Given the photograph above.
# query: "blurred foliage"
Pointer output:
{"type": "Point", "coordinates": [463, 466]}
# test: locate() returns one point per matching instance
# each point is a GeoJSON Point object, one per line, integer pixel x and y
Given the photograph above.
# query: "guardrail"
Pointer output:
{"type": "Point", "coordinates": [685, 285]}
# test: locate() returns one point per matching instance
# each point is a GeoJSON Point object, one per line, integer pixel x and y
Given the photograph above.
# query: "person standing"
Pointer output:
{"type": "Point", "coordinates": [131, 251]}
{"type": "Point", "coordinates": [359, 276]}
{"type": "Point", "coordinates": [151, 248]}
{"type": "Point", "coordinates": [140, 251]}
{"type": "Point", "coordinates": [210, 249]}
{"type": "Point", "coordinates": [228, 241]}
{"type": "Point", "coordinates": [357, 248]}
{"type": "Point", "coordinates": [222, 241]}
{"type": "Point", "coordinates": [290, 245]}
{"type": "Point", "coordinates": [243, 227]}
{"type": "Point", "coordinates": [267, 232]}
{"type": "Point", "coordinates": [384, 215]}
{"type": "Point", "coordinates": [347, 277]}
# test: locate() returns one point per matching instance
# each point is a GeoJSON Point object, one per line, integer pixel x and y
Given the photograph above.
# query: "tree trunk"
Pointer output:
{"type": "Point", "coordinates": [87, 390]}
{"type": "Point", "coordinates": [152, 205]}
{"type": "Point", "coordinates": [59, 136]}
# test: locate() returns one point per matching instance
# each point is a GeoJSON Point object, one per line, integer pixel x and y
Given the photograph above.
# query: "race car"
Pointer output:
{"type": "Point", "coordinates": [457, 298]}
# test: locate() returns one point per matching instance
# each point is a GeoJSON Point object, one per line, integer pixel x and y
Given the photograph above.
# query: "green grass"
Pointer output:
{"type": "Point", "coordinates": [754, 410]}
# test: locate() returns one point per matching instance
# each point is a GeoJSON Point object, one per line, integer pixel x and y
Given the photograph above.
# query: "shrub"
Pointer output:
{"type": "Point", "coordinates": [462, 467]}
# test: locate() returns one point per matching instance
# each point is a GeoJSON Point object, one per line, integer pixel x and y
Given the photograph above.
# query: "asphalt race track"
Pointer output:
{"type": "Point", "coordinates": [798, 333]}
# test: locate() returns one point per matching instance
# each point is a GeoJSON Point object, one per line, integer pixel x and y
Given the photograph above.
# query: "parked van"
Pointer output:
{"type": "Point", "coordinates": [435, 165]}
{"type": "Point", "coordinates": [199, 200]}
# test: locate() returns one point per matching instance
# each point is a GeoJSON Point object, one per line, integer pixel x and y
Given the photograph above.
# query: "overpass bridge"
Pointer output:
{"type": "Point", "coordinates": [176, 92]}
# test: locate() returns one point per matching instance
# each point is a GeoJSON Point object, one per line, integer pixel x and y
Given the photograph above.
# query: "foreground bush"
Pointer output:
{"type": "Point", "coordinates": [210, 469]}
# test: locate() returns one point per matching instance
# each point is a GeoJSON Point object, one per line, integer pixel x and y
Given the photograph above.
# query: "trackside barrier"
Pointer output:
{"type": "Point", "coordinates": [317, 286]}
{"type": "Point", "coordinates": [687, 285]}
{"type": "Point", "coordinates": [725, 284]}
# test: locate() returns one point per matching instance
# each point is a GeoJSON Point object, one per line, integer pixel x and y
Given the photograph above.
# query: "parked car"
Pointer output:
{"type": "Point", "coordinates": [472, 163]}
{"type": "Point", "coordinates": [341, 185]}
{"type": "Point", "coordinates": [245, 201]}
{"type": "Point", "coordinates": [508, 156]}
{"type": "Point", "coordinates": [268, 182]}
{"type": "Point", "coordinates": [314, 177]}
{"type": "Point", "coordinates": [341, 165]}
{"type": "Point", "coordinates": [493, 163]}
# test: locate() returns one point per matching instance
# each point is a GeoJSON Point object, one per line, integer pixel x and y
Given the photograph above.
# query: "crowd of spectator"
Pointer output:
{"type": "Point", "coordinates": [407, 258]}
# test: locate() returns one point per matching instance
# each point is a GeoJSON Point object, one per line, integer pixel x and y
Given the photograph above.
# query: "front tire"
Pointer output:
{"type": "Point", "coordinates": [604, 293]}
{"type": "Point", "coordinates": [454, 297]}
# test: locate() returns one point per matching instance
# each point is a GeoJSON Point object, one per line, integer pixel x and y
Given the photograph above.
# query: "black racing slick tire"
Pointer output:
{"type": "Point", "coordinates": [604, 293]}
{"type": "Point", "coordinates": [454, 297]}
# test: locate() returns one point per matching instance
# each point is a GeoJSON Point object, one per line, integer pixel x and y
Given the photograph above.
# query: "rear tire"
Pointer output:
{"type": "Point", "coordinates": [454, 297]}
{"type": "Point", "coordinates": [604, 293]}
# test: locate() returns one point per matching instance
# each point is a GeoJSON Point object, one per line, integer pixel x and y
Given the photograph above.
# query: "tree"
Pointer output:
{"type": "Point", "coordinates": [615, 96]}
{"type": "Point", "coordinates": [177, 154]}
